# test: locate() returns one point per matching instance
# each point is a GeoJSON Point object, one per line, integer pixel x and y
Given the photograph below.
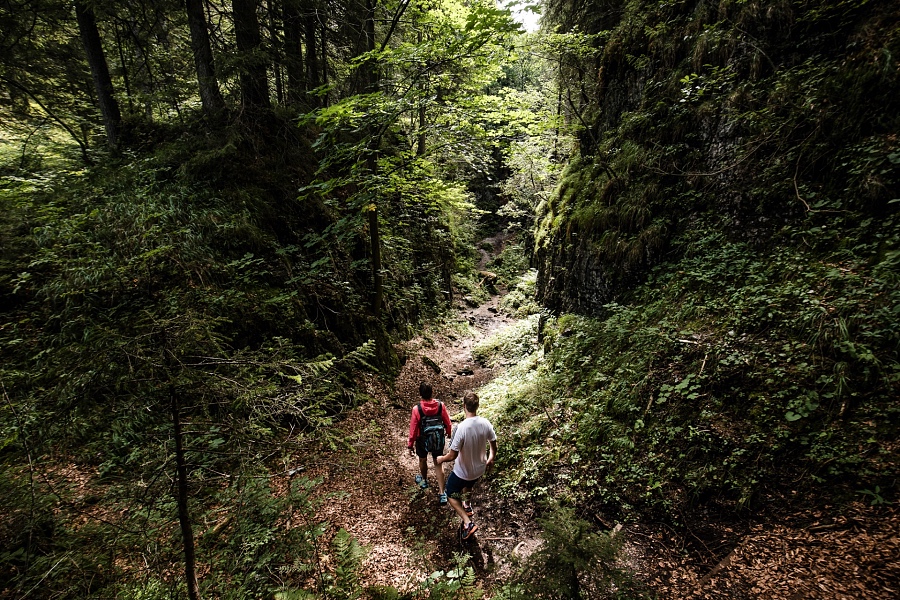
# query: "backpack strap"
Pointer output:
{"type": "Point", "coordinates": [422, 415]}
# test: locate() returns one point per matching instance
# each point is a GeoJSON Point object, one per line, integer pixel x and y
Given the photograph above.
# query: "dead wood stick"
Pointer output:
{"type": "Point", "coordinates": [723, 564]}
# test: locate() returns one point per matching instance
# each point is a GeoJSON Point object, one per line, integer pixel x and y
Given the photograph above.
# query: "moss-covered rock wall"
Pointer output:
{"type": "Point", "coordinates": [741, 116]}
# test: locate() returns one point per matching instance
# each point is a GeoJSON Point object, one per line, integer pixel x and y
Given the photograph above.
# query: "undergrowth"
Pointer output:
{"type": "Point", "coordinates": [182, 280]}
{"type": "Point", "coordinates": [733, 376]}
{"type": "Point", "coordinates": [519, 301]}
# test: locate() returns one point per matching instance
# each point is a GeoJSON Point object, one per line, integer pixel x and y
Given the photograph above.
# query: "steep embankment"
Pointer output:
{"type": "Point", "coordinates": [729, 229]}
{"type": "Point", "coordinates": [737, 117]}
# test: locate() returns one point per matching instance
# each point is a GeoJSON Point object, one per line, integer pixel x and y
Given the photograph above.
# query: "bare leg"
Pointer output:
{"type": "Point", "coordinates": [423, 467]}
{"type": "Point", "coordinates": [439, 473]}
{"type": "Point", "coordinates": [458, 507]}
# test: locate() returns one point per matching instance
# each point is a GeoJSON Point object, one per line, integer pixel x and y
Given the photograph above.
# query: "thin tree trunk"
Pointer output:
{"type": "Point", "coordinates": [124, 70]}
{"type": "Point", "coordinates": [253, 80]}
{"type": "Point", "coordinates": [293, 54]}
{"type": "Point", "coordinates": [371, 66]}
{"type": "Point", "coordinates": [324, 62]}
{"type": "Point", "coordinates": [276, 51]}
{"type": "Point", "coordinates": [559, 104]}
{"type": "Point", "coordinates": [377, 275]}
{"type": "Point", "coordinates": [312, 58]}
{"type": "Point", "coordinates": [368, 78]}
{"type": "Point", "coordinates": [181, 497]}
{"type": "Point", "coordinates": [210, 96]}
{"type": "Point", "coordinates": [420, 146]}
{"type": "Point", "coordinates": [93, 48]}
{"type": "Point", "coordinates": [149, 86]}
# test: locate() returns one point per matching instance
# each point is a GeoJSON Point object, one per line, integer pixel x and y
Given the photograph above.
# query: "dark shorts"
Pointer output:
{"type": "Point", "coordinates": [456, 485]}
{"type": "Point", "coordinates": [422, 453]}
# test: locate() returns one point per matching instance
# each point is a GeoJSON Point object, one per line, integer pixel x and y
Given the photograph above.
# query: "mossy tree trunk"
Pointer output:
{"type": "Point", "coordinates": [253, 78]}
{"type": "Point", "coordinates": [208, 84]}
{"type": "Point", "coordinates": [93, 48]}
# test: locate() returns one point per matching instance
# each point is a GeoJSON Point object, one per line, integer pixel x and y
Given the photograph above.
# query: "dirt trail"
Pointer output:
{"type": "Point", "coordinates": [371, 487]}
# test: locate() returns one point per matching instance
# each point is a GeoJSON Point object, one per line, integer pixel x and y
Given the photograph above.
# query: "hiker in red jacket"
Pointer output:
{"type": "Point", "coordinates": [429, 427]}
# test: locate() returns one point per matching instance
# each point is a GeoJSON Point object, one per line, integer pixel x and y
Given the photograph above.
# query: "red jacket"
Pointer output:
{"type": "Point", "coordinates": [430, 407]}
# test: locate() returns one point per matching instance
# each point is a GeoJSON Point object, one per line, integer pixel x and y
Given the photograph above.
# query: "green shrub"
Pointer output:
{"type": "Point", "coordinates": [572, 562]}
{"type": "Point", "coordinates": [520, 301]}
{"type": "Point", "coordinates": [729, 373]}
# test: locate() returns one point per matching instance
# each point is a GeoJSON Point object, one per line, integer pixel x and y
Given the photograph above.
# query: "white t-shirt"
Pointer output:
{"type": "Point", "coordinates": [471, 439]}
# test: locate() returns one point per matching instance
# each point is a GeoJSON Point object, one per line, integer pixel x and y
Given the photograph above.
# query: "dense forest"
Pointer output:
{"type": "Point", "coordinates": [223, 222]}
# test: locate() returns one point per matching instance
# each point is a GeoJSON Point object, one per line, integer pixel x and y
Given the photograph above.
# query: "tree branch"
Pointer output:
{"type": "Point", "coordinates": [52, 115]}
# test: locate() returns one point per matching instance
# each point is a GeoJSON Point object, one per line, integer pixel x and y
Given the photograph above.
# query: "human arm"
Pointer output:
{"type": "Point", "coordinates": [451, 455]}
{"type": "Point", "coordinates": [445, 416]}
{"type": "Point", "coordinates": [413, 430]}
{"type": "Point", "coordinates": [492, 454]}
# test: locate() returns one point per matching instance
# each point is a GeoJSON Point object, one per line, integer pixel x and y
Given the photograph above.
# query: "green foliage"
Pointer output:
{"type": "Point", "coordinates": [729, 372]}
{"type": "Point", "coordinates": [348, 557]}
{"type": "Point", "coordinates": [511, 264]}
{"type": "Point", "coordinates": [127, 289]}
{"type": "Point", "coordinates": [520, 301]}
{"type": "Point", "coordinates": [457, 583]}
{"type": "Point", "coordinates": [573, 561]}
{"type": "Point", "coordinates": [251, 540]}
{"type": "Point", "coordinates": [511, 343]}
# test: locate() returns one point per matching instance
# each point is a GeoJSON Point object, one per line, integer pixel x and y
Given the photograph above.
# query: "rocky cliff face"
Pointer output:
{"type": "Point", "coordinates": [740, 116]}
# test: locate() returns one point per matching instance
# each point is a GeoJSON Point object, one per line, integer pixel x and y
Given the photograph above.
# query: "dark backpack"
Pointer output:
{"type": "Point", "coordinates": [431, 429]}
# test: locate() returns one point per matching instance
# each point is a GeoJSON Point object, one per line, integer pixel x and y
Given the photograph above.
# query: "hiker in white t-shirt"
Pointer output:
{"type": "Point", "coordinates": [470, 450]}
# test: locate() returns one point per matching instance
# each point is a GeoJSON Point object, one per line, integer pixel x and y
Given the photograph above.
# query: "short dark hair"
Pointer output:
{"type": "Point", "coordinates": [471, 402]}
{"type": "Point", "coordinates": [425, 390]}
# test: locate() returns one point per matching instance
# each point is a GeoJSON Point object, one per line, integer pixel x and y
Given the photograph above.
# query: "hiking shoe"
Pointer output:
{"type": "Point", "coordinates": [422, 482]}
{"type": "Point", "coordinates": [442, 498]}
{"type": "Point", "coordinates": [468, 530]}
{"type": "Point", "coordinates": [468, 508]}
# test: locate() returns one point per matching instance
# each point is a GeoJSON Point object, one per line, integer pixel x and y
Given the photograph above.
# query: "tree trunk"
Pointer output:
{"type": "Point", "coordinates": [312, 58]}
{"type": "Point", "coordinates": [420, 138]}
{"type": "Point", "coordinates": [277, 61]}
{"type": "Point", "coordinates": [293, 54]}
{"type": "Point", "coordinates": [124, 69]}
{"type": "Point", "coordinates": [324, 62]}
{"type": "Point", "coordinates": [210, 97]}
{"type": "Point", "coordinates": [371, 65]}
{"type": "Point", "coordinates": [377, 275]}
{"type": "Point", "coordinates": [93, 48]}
{"type": "Point", "coordinates": [253, 80]}
{"type": "Point", "coordinates": [368, 79]}
{"type": "Point", "coordinates": [181, 497]}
